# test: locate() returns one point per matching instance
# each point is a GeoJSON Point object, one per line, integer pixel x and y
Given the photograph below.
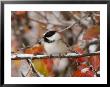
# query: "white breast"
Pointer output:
{"type": "Point", "coordinates": [55, 48]}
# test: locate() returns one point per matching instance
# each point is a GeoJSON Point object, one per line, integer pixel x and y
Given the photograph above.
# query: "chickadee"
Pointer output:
{"type": "Point", "coordinates": [54, 44]}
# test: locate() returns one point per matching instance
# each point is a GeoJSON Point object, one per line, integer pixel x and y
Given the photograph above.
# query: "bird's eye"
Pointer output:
{"type": "Point", "coordinates": [46, 40]}
{"type": "Point", "coordinates": [49, 33]}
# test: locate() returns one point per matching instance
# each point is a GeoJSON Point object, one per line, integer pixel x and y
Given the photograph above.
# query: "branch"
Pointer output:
{"type": "Point", "coordinates": [69, 55]}
{"type": "Point", "coordinates": [38, 21]}
{"type": "Point", "coordinates": [68, 27]}
{"type": "Point", "coordinates": [33, 69]}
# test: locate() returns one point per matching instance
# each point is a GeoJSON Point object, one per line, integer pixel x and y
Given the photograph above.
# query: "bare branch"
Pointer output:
{"type": "Point", "coordinates": [68, 27]}
{"type": "Point", "coordinates": [33, 68]}
{"type": "Point", "coordinates": [60, 25]}
{"type": "Point", "coordinates": [69, 55]}
{"type": "Point", "coordinates": [22, 74]}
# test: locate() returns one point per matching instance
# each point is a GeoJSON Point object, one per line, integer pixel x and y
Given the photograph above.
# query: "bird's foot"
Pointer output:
{"type": "Point", "coordinates": [50, 56]}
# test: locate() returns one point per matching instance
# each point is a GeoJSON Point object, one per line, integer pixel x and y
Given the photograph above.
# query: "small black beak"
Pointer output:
{"type": "Point", "coordinates": [40, 41]}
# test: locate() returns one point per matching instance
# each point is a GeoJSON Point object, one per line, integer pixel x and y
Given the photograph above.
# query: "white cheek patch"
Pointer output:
{"type": "Point", "coordinates": [50, 38]}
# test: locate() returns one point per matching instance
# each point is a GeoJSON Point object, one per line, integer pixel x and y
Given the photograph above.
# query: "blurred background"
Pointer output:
{"type": "Point", "coordinates": [28, 28]}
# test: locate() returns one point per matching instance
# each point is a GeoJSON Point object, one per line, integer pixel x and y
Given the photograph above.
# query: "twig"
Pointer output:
{"type": "Point", "coordinates": [22, 74]}
{"type": "Point", "coordinates": [60, 25]}
{"type": "Point", "coordinates": [33, 68]}
{"type": "Point", "coordinates": [69, 55]}
{"type": "Point", "coordinates": [68, 27]}
{"type": "Point", "coordinates": [42, 15]}
{"type": "Point", "coordinates": [78, 20]}
{"type": "Point", "coordinates": [62, 21]}
{"type": "Point", "coordinates": [28, 70]}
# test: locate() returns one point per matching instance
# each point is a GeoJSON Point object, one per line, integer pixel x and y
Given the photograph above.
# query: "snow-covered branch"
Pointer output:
{"type": "Point", "coordinates": [69, 55]}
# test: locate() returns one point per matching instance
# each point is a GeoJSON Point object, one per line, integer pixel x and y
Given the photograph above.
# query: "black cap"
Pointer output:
{"type": "Point", "coordinates": [49, 33]}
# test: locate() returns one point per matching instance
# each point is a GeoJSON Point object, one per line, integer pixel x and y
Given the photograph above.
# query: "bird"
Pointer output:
{"type": "Point", "coordinates": [55, 45]}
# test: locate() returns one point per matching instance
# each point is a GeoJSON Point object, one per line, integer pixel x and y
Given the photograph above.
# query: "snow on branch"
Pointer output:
{"type": "Point", "coordinates": [69, 55]}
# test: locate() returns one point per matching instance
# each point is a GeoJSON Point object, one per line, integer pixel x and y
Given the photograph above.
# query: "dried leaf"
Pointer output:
{"type": "Point", "coordinates": [97, 19]}
{"type": "Point", "coordinates": [43, 66]}
{"type": "Point", "coordinates": [80, 51]}
{"type": "Point", "coordinates": [78, 73]}
{"type": "Point", "coordinates": [20, 14]}
{"type": "Point", "coordinates": [95, 62]}
{"type": "Point", "coordinates": [91, 33]}
{"type": "Point", "coordinates": [36, 49]}
{"type": "Point", "coordinates": [49, 64]}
